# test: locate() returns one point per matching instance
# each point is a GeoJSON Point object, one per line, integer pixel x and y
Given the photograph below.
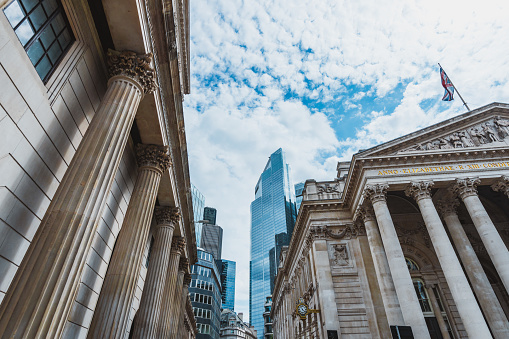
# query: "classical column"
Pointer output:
{"type": "Point", "coordinates": [185, 292]}
{"type": "Point", "coordinates": [383, 272]}
{"type": "Point", "coordinates": [502, 185]}
{"type": "Point", "coordinates": [117, 293]}
{"type": "Point", "coordinates": [177, 299]}
{"type": "Point", "coordinates": [466, 189]}
{"type": "Point", "coordinates": [40, 297]}
{"type": "Point", "coordinates": [437, 312]}
{"type": "Point", "coordinates": [170, 287]}
{"type": "Point", "coordinates": [147, 318]}
{"type": "Point", "coordinates": [478, 279]}
{"type": "Point", "coordinates": [464, 298]}
{"type": "Point", "coordinates": [412, 313]}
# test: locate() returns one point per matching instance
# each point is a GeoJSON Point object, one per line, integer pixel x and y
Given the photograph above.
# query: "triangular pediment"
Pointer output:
{"type": "Point", "coordinates": [484, 128]}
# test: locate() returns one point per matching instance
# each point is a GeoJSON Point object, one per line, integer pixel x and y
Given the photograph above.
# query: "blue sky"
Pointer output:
{"type": "Point", "coordinates": [323, 79]}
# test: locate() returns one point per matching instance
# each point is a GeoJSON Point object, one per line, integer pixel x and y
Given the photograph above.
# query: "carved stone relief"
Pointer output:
{"type": "Point", "coordinates": [493, 131]}
{"type": "Point", "coordinates": [339, 255]}
{"type": "Point", "coordinates": [328, 188]}
{"type": "Point", "coordinates": [348, 231]}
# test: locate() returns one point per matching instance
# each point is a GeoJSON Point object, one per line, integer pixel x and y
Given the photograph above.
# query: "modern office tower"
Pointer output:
{"type": "Point", "coordinates": [299, 188]}
{"type": "Point", "coordinates": [209, 213]}
{"type": "Point", "coordinates": [267, 320]}
{"type": "Point", "coordinates": [212, 240]}
{"type": "Point", "coordinates": [273, 217]}
{"type": "Point", "coordinates": [198, 203]}
{"type": "Point", "coordinates": [228, 284]}
{"type": "Point", "coordinates": [205, 293]}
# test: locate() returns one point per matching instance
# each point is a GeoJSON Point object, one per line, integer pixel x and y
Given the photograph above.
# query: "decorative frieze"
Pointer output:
{"type": "Point", "coordinates": [465, 187]}
{"type": "Point", "coordinates": [493, 131]}
{"type": "Point", "coordinates": [153, 156]}
{"type": "Point", "coordinates": [134, 66]}
{"type": "Point", "coordinates": [419, 190]}
{"type": "Point", "coordinates": [348, 231]}
{"type": "Point", "coordinates": [328, 188]}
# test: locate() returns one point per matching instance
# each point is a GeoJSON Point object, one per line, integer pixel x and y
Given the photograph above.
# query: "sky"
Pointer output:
{"type": "Point", "coordinates": [323, 79]}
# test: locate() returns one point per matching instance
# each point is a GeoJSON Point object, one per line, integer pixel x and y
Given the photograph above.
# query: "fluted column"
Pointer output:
{"type": "Point", "coordinates": [185, 292]}
{"type": "Point", "coordinates": [117, 293]}
{"type": "Point", "coordinates": [464, 298]}
{"type": "Point", "coordinates": [466, 189]}
{"type": "Point", "coordinates": [177, 249]}
{"type": "Point", "coordinates": [437, 312]}
{"type": "Point", "coordinates": [502, 185]}
{"type": "Point", "coordinates": [478, 279]}
{"type": "Point", "coordinates": [40, 297]}
{"type": "Point", "coordinates": [177, 299]}
{"type": "Point", "coordinates": [147, 318]}
{"type": "Point", "coordinates": [412, 313]}
{"type": "Point", "coordinates": [383, 272]}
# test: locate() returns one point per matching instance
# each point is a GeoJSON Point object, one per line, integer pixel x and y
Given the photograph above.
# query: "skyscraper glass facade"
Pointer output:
{"type": "Point", "coordinates": [273, 217]}
{"type": "Point", "coordinates": [198, 204]}
{"type": "Point", "coordinates": [205, 293]}
{"type": "Point", "coordinates": [299, 188]}
{"type": "Point", "coordinates": [228, 284]}
{"type": "Point", "coordinates": [212, 240]}
{"type": "Point", "coordinates": [209, 213]}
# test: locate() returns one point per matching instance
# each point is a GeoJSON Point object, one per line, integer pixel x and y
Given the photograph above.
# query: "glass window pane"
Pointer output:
{"type": "Point", "coordinates": [24, 32]}
{"type": "Point", "coordinates": [29, 4]}
{"type": "Point", "coordinates": [47, 37]}
{"type": "Point", "coordinates": [43, 67]}
{"type": "Point", "coordinates": [14, 13]}
{"type": "Point", "coordinates": [35, 52]}
{"type": "Point", "coordinates": [58, 23]}
{"type": "Point", "coordinates": [50, 6]}
{"type": "Point", "coordinates": [38, 17]}
{"type": "Point", "coordinates": [54, 53]}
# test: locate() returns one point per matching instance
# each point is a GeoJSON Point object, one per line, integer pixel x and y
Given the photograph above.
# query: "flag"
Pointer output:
{"type": "Point", "coordinates": [447, 84]}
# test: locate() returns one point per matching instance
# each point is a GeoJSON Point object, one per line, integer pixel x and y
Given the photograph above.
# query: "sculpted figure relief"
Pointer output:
{"type": "Point", "coordinates": [340, 255]}
{"type": "Point", "coordinates": [495, 130]}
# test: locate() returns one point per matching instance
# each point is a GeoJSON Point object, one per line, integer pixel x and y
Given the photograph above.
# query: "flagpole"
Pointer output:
{"type": "Point", "coordinates": [464, 103]}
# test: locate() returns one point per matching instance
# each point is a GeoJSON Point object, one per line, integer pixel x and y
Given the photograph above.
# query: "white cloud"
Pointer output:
{"type": "Point", "coordinates": [250, 55]}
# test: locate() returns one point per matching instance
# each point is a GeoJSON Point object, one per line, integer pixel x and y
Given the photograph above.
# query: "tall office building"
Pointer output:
{"type": "Point", "coordinates": [209, 213]}
{"type": "Point", "coordinates": [212, 240]}
{"type": "Point", "coordinates": [273, 217]}
{"type": "Point", "coordinates": [198, 203]}
{"type": "Point", "coordinates": [228, 284]}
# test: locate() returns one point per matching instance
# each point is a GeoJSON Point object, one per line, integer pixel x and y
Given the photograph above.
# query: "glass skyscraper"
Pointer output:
{"type": "Point", "coordinates": [209, 214]}
{"type": "Point", "coordinates": [228, 284]}
{"type": "Point", "coordinates": [273, 217]}
{"type": "Point", "coordinates": [299, 188]}
{"type": "Point", "coordinates": [198, 204]}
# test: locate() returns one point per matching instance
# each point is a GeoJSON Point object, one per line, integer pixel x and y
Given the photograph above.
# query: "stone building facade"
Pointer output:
{"type": "Point", "coordinates": [96, 221]}
{"type": "Point", "coordinates": [412, 235]}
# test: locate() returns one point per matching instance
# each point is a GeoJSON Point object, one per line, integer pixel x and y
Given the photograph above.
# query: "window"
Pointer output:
{"type": "Point", "coordinates": [422, 295]}
{"type": "Point", "coordinates": [412, 265]}
{"type": "Point", "coordinates": [43, 30]}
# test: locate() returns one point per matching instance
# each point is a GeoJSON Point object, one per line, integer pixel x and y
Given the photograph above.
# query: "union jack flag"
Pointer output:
{"type": "Point", "coordinates": [447, 84]}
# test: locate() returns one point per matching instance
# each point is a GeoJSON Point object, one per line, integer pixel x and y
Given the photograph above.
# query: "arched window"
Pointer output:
{"type": "Point", "coordinates": [412, 265]}
{"type": "Point", "coordinates": [422, 295]}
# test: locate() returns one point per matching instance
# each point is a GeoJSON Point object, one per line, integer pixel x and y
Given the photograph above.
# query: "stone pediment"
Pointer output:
{"type": "Point", "coordinates": [485, 127]}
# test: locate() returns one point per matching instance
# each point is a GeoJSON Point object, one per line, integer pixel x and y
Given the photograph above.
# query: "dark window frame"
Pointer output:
{"type": "Point", "coordinates": [59, 40]}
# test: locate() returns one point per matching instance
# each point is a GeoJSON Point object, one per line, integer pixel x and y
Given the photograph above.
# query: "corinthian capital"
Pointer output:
{"type": "Point", "coordinates": [153, 156]}
{"type": "Point", "coordinates": [183, 264]}
{"type": "Point", "coordinates": [419, 190]}
{"type": "Point", "coordinates": [376, 192]}
{"type": "Point", "coordinates": [178, 244]}
{"type": "Point", "coordinates": [448, 206]}
{"type": "Point", "coordinates": [166, 215]}
{"type": "Point", "coordinates": [502, 185]}
{"type": "Point", "coordinates": [365, 213]}
{"type": "Point", "coordinates": [187, 279]}
{"type": "Point", "coordinates": [465, 187]}
{"type": "Point", "coordinates": [134, 66]}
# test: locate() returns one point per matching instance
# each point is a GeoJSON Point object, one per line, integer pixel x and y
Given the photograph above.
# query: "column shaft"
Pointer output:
{"type": "Point", "coordinates": [482, 287]}
{"type": "Point", "coordinates": [40, 306]}
{"type": "Point", "coordinates": [112, 311]}
{"type": "Point", "coordinates": [177, 248]}
{"type": "Point", "coordinates": [147, 319]}
{"type": "Point", "coordinates": [176, 306]}
{"type": "Point", "coordinates": [383, 272]}
{"type": "Point", "coordinates": [497, 250]}
{"type": "Point", "coordinates": [464, 298]}
{"type": "Point", "coordinates": [438, 313]}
